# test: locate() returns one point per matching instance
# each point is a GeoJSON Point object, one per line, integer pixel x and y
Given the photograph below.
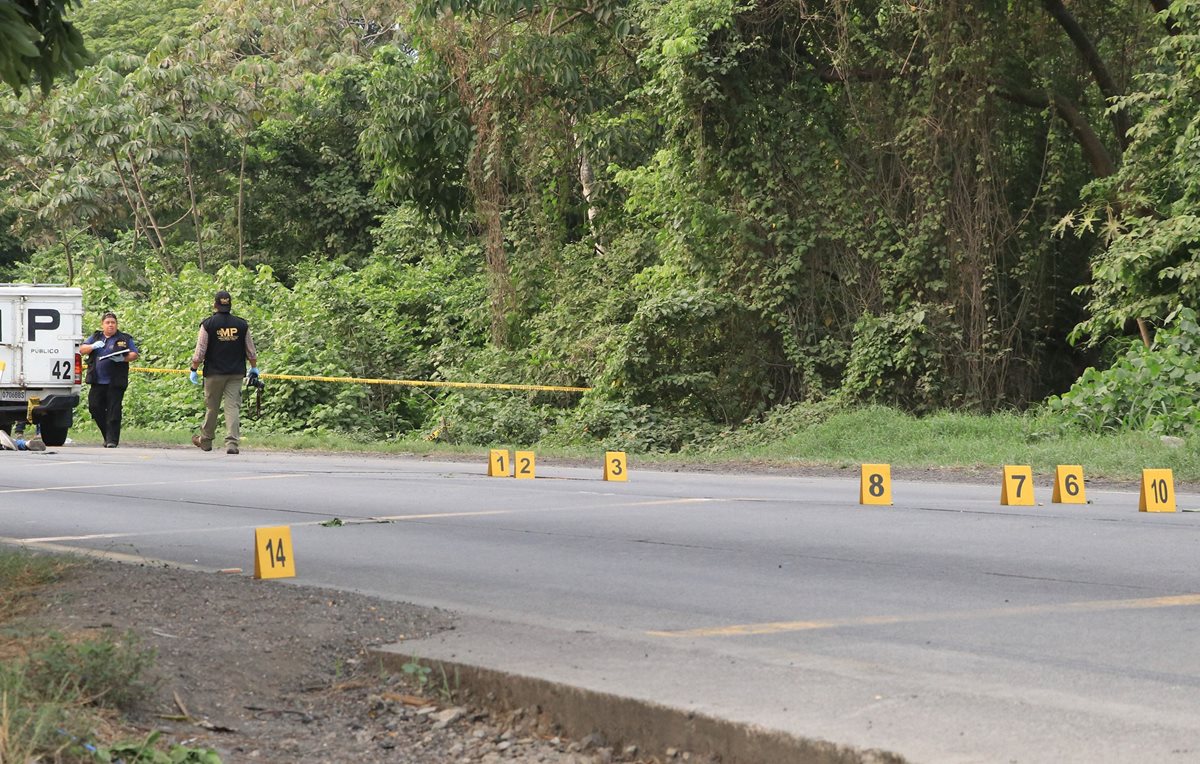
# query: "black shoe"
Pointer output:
{"type": "Point", "coordinates": [232, 450]}
{"type": "Point", "coordinates": [110, 445]}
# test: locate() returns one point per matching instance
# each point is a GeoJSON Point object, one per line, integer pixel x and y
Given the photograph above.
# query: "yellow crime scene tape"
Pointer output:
{"type": "Point", "coordinates": [401, 382]}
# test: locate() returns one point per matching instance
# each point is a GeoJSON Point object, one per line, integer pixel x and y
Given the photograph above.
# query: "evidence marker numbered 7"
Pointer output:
{"type": "Point", "coordinates": [1016, 487]}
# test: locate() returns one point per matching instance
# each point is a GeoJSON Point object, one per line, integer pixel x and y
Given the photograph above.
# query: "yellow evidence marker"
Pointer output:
{"type": "Point", "coordinates": [615, 467]}
{"type": "Point", "coordinates": [523, 461]}
{"type": "Point", "coordinates": [875, 487]}
{"type": "Point", "coordinates": [1068, 485]}
{"type": "Point", "coordinates": [1016, 488]}
{"type": "Point", "coordinates": [1158, 491]}
{"type": "Point", "coordinates": [273, 557]}
{"type": "Point", "coordinates": [498, 464]}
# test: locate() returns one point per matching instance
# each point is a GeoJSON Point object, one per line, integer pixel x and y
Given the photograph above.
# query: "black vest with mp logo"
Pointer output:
{"type": "Point", "coordinates": [226, 344]}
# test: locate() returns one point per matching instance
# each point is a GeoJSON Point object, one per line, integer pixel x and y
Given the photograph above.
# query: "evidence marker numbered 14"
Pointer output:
{"type": "Point", "coordinates": [273, 554]}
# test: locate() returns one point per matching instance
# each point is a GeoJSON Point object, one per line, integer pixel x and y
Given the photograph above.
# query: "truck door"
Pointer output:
{"type": "Point", "coordinates": [50, 333]}
{"type": "Point", "coordinates": [11, 371]}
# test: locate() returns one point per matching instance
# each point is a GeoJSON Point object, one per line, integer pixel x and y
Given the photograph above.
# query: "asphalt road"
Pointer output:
{"type": "Point", "coordinates": [943, 628]}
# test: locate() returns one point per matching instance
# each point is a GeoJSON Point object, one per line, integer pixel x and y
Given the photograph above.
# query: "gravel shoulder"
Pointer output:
{"type": "Point", "coordinates": [268, 671]}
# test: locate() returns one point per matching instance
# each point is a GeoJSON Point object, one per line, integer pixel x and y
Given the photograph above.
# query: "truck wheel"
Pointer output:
{"type": "Point", "coordinates": [54, 433]}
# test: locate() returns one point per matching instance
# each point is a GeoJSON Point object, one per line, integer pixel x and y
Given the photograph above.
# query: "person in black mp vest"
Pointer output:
{"type": "Point", "coordinates": [109, 352]}
{"type": "Point", "coordinates": [224, 347]}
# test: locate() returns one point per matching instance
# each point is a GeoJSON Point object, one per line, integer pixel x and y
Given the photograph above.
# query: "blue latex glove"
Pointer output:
{"type": "Point", "coordinates": [97, 344]}
{"type": "Point", "coordinates": [118, 358]}
{"type": "Point", "coordinates": [254, 370]}
{"type": "Point", "coordinates": [195, 377]}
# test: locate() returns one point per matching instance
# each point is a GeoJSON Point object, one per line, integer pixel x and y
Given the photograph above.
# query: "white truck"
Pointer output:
{"type": "Point", "coordinates": [41, 328]}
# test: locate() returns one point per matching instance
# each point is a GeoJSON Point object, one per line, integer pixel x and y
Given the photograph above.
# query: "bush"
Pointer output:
{"type": "Point", "coordinates": [104, 672]}
{"type": "Point", "coordinates": [1155, 389]}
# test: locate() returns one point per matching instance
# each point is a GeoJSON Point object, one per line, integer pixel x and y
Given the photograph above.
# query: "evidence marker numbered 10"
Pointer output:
{"type": "Point", "coordinates": [273, 555]}
{"type": "Point", "coordinates": [1158, 491]}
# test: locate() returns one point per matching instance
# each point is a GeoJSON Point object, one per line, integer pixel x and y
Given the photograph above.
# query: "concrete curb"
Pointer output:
{"type": "Point", "coordinates": [623, 721]}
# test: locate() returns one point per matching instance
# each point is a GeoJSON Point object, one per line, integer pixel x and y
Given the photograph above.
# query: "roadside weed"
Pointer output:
{"type": "Point", "coordinates": [147, 752]}
{"type": "Point", "coordinates": [104, 672]}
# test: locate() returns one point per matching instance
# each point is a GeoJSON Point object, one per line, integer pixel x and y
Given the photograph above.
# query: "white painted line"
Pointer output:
{"type": "Point", "coordinates": [160, 482]}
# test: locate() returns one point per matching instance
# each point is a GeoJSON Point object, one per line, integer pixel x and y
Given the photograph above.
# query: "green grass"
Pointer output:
{"type": "Point", "coordinates": [974, 442]}
{"type": "Point", "coordinates": [821, 436]}
{"type": "Point", "coordinates": [20, 574]}
{"type": "Point", "coordinates": [53, 687]}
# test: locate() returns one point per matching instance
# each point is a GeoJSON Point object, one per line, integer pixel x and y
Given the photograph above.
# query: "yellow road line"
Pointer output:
{"type": "Point", "coordinates": [160, 482]}
{"type": "Point", "coordinates": [89, 537]}
{"type": "Point", "coordinates": [1092, 606]}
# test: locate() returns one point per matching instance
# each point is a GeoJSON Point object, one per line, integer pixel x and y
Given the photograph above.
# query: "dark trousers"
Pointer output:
{"type": "Point", "coordinates": [105, 403]}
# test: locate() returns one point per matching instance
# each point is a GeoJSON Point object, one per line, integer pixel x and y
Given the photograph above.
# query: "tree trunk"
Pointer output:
{"type": "Point", "coordinates": [137, 182]}
{"type": "Point", "coordinates": [1083, 43]}
{"type": "Point", "coordinates": [240, 202]}
{"type": "Point", "coordinates": [484, 181]}
{"type": "Point", "coordinates": [587, 184]}
{"type": "Point", "coordinates": [1093, 148]}
{"type": "Point", "coordinates": [1161, 6]}
{"type": "Point", "coordinates": [66, 241]}
{"type": "Point", "coordinates": [196, 222]}
{"type": "Point", "coordinates": [133, 206]}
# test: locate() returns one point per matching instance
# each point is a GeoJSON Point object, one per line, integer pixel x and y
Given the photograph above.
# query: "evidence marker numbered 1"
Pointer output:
{"type": "Point", "coordinates": [1068, 485]}
{"type": "Point", "coordinates": [1158, 491]}
{"type": "Point", "coordinates": [273, 555]}
{"type": "Point", "coordinates": [875, 485]}
{"type": "Point", "coordinates": [523, 464]}
{"type": "Point", "coordinates": [615, 466]}
{"type": "Point", "coordinates": [1016, 487]}
{"type": "Point", "coordinates": [498, 463]}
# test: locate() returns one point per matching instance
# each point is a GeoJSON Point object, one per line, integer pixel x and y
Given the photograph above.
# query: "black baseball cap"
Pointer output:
{"type": "Point", "coordinates": [223, 302]}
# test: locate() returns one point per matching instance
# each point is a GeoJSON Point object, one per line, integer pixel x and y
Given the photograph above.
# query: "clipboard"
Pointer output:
{"type": "Point", "coordinates": [110, 355]}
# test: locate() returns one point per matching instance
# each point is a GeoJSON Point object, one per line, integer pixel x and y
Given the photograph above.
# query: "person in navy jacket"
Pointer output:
{"type": "Point", "coordinates": [109, 352]}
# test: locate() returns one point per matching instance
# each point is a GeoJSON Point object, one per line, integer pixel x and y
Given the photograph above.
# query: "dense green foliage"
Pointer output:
{"type": "Point", "coordinates": [37, 43]}
{"type": "Point", "coordinates": [1156, 389]}
{"type": "Point", "coordinates": [701, 209]}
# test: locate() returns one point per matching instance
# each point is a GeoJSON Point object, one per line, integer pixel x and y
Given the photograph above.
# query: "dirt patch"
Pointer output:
{"type": "Point", "coordinates": [267, 671]}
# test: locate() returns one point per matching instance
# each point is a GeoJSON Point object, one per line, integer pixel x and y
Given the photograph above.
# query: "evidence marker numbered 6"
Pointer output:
{"type": "Point", "coordinates": [1068, 485]}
